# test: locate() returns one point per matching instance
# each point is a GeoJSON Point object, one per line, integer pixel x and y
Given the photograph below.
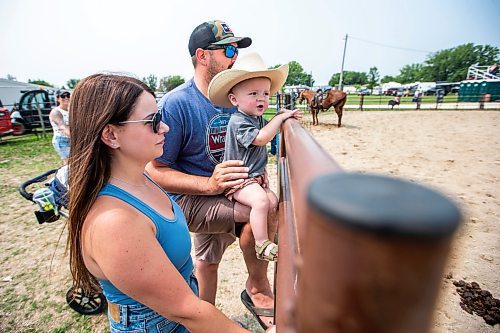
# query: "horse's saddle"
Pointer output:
{"type": "Point", "coordinates": [318, 99]}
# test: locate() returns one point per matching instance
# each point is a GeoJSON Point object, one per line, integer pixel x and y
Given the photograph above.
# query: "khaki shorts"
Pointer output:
{"type": "Point", "coordinates": [211, 218]}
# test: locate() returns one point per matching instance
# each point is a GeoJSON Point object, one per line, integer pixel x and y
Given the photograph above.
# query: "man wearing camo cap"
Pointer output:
{"type": "Point", "coordinates": [192, 169]}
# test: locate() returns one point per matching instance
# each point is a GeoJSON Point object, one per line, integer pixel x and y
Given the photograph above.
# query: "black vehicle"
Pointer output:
{"type": "Point", "coordinates": [32, 111]}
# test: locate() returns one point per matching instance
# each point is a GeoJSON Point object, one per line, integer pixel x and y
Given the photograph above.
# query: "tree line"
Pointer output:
{"type": "Point", "coordinates": [448, 65]}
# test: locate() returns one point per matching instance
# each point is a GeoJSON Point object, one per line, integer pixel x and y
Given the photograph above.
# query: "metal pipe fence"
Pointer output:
{"type": "Point", "coordinates": [433, 102]}
{"type": "Point", "coordinates": [389, 102]}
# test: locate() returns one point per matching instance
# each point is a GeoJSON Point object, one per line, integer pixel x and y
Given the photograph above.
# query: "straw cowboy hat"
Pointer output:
{"type": "Point", "coordinates": [246, 67]}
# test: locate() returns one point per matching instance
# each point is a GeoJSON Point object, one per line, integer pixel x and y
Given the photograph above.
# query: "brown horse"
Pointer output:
{"type": "Point", "coordinates": [312, 102]}
{"type": "Point", "coordinates": [322, 102]}
{"type": "Point", "coordinates": [337, 99]}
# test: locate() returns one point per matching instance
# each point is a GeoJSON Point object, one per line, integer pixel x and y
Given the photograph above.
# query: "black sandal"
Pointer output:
{"type": "Point", "coordinates": [256, 312]}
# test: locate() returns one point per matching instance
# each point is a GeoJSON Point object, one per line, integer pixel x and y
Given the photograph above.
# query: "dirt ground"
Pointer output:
{"type": "Point", "coordinates": [457, 152]}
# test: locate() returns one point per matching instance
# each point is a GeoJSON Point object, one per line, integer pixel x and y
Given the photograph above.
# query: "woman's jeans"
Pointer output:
{"type": "Point", "coordinates": [61, 145]}
{"type": "Point", "coordinates": [138, 318]}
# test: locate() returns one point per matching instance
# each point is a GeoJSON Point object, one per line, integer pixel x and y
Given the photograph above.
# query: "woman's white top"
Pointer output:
{"type": "Point", "coordinates": [55, 127]}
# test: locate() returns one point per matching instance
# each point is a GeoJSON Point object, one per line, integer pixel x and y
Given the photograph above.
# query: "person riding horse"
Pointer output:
{"type": "Point", "coordinates": [318, 99]}
{"type": "Point", "coordinates": [322, 101]}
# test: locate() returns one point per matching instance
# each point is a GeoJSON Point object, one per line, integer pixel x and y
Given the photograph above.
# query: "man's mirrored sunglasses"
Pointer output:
{"type": "Point", "coordinates": [155, 122]}
{"type": "Point", "coordinates": [230, 50]}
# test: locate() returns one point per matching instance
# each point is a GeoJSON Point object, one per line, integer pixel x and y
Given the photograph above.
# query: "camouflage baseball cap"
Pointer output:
{"type": "Point", "coordinates": [214, 33]}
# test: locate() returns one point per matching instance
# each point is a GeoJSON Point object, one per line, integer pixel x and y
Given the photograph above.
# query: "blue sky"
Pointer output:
{"type": "Point", "coordinates": [59, 40]}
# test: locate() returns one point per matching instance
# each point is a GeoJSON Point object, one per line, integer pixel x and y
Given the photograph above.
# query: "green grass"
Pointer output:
{"type": "Point", "coordinates": [382, 100]}
{"type": "Point", "coordinates": [24, 157]}
{"type": "Point", "coordinates": [33, 301]}
{"type": "Point", "coordinates": [38, 152]}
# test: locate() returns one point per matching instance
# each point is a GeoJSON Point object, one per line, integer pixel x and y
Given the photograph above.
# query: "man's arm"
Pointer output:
{"type": "Point", "coordinates": [226, 174]}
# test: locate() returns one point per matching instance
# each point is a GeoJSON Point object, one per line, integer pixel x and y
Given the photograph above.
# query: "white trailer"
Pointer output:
{"type": "Point", "coordinates": [423, 87]}
{"type": "Point", "coordinates": [11, 91]}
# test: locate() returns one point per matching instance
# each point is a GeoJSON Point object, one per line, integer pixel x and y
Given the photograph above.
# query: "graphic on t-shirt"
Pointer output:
{"type": "Point", "coordinates": [216, 137]}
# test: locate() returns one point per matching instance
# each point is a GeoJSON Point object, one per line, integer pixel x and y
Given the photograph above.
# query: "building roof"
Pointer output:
{"type": "Point", "coordinates": [11, 83]}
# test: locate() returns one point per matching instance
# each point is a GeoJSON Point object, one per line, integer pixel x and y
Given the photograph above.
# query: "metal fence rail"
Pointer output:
{"type": "Point", "coordinates": [357, 253]}
{"type": "Point", "coordinates": [292, 209]}
{"type": "Point", "coordinates": [449, 102]}
{"type": "Point", "coordinates": [381, 102]}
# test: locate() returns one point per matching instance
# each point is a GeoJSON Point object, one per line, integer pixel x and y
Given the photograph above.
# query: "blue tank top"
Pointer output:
{"type": "Point", "coordinates": [172, 234]}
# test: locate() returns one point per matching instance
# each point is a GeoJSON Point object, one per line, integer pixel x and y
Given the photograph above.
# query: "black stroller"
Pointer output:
{"type": "Point", "coordinates": [52, 202]}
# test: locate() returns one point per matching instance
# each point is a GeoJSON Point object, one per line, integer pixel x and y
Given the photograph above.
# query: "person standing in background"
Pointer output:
{"type": "Point", "coordinates": [59, 119]}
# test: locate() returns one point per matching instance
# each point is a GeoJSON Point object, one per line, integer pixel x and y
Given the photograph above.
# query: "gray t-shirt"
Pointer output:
{"type": "Point", "coordinates": [241, 131]}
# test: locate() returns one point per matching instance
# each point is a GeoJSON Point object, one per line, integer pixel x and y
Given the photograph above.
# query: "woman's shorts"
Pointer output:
{"type": "Point", "coordinates": [138, 318]}
{"type": "Point", "coordinates": [61, 145]}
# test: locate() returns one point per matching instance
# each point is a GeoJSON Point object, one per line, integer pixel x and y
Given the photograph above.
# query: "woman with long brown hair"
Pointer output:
{"type": "Point", "coordinates": [125, 233]}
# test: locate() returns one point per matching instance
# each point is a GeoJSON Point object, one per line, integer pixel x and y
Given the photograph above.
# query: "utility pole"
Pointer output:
{"type": "Point", "coordinates": [342, 69]}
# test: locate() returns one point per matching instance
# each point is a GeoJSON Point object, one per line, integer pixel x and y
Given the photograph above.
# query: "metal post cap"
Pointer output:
{"type": "Point", "coordinates": [385, 205]}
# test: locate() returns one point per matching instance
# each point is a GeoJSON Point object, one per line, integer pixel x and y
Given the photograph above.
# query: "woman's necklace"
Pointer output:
{"type": "Point", "coordinates": [125, 182]}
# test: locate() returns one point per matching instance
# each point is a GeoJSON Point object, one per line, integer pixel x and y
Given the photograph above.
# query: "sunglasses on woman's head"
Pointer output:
{"type": "Point", "coordinates": [230, 50]}
{"type": "Point", "coordinates": [155, 121]}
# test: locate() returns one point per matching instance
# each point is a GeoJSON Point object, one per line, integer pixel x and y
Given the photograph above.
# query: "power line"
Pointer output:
{"type": "Point", "coordinates": [389, 46]}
